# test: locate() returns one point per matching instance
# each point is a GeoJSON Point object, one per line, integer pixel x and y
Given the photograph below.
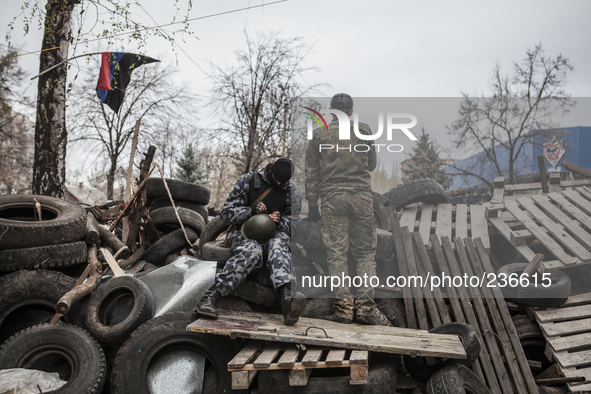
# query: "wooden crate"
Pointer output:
{"type": "Point", "coordinates": [268, 356]}
{"type": "Point", "coordinates": [568, 332]}
{"type": "Point", "coordinates": [446, 220]}
{"type": "Point", "coordinates": [559, 220]}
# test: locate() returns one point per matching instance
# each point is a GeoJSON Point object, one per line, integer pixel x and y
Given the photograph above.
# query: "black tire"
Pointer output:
{"type": "Point", "coordinates": [178, 189]}
{"type": "Point", "coordinates": [308, 234]}
{"type": "Point", "coordinates": [75, 349]}
{"type": "Point", "coordinates": [216, 251]}
{"type": "Point", "coordinates": [394, 310]}
{"type": "Point", "coordinates": [163, 335]}
{"type": "Point", "coordinates": [37, 257]}
{"type": "Point", "coordinates": [193, 206]}
{"type": "Point", "coordinates": [421, 190]}
{"type": "Point", "coordinates": [170, 243]}
{"type": "Point", "coordinates": [117, 308]}
{"type": "Point", "coordinates": [380, 379]}
{"type": "Point", "coordinates": [532, 340]}
{"type": "Point", "coordinates": [536, 296]}
{"type": "Point", "coordinates": [212, 230]}
{"type": "Point", "coordinates": [382, 212]}
{"type": "Point", "coordinates": [421, 372]}
{"type": "Point", "coordinates": [456, 379]}
{"type": "Point", "coordinates": [385, 245]}
{"type": "Point", "coordinates": [28, 298]}
{"type": "Point", "coordinates": [63, 222]}
{"type": "Point", "coordinates": [165, 219]}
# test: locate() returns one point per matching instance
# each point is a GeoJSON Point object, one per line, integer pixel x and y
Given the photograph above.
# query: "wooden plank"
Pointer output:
{"type": "Point", "coordinates": [571, 342]}
{"type": "Point", "coordinates": [563, 237]}
{"type": "Point", "coordinates": [488, 334]}
{"type": "Point", "coordinates": [409, 215]}
{"type": "Point", "coordinates": [578, 169]}
{"type": "Point", "coordinates": [241, 380]}
{"type": "Point", "coordinates": [533, 265]}
{"type": "Point", "coordinates": [335, 357]}
{"type": "Point", "coordinates": [289, 357]}
{"type": "Point", "coordinates": [585, 192]}
{"type": "Point", "coordinates": [401, 258]}
{"type": "Point", "coordinates": [245, 355]}
{"type": "Point", "coordinates": [359, 374]}
{"type": "Point", "coordinates": [268, 355]}
{"type": "Point", "coordinates": [543, 175]}
{"type": "Point", "coordinates": [548, 242]}
{"type": "Point", "coordinates": [425, 223]}
{"type": "Point", "coordinates": [479, 224]}
{"type": "Point", "coordinates": [443, 227]}
{"type": "Point", "coordinates": [579, 200]}
{"type": "Point", "coordinates": [554, 182]}
{"type": "Point", "coordinates": [572, 226]}
{"type": "Point", "coordinates": [346, 336]}
{"type": "Point", "coordinates": [462, 221]}
{"type": "Point", "coordinates": [563, 314]}
{"type": "Point", "coordinates": [571, 208]}
{"type": "Point", "coordinates": [117, 271]}
{"type": "Point", "coordinates": [538, 185]}
{"type": "Point", "coordinates": [567, 327]}
{"type": "Point", "coordinates": [299, 377]}
{"type": "Point", "coordinates": [507, 321]}
{"type": "Point", "coordinates": [505, 231]}
{"type": "Point", "coordinates": [359, 357]}
{"type": "Point", "coordinates": [520, 237]}
{"type": "Point", "coordinates": [312, 357]}
{"type": "Point", "coordinates": [580, 299]}
{"type": "Point", "coordinates": [499, 190]}
{"type": "Point", "coordinates": [577, 359]}
{"type": "Point", "coordinates": [451, 291]}
{"type": "Point", "coordinates": [412, 271]}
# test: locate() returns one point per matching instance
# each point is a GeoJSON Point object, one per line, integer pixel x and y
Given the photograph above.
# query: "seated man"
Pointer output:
{"type": "Point", "coordinates": [268, 190]}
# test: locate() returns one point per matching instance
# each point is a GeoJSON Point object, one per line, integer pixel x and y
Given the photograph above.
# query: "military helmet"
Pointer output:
{"type": "Point", "coordinates": [260, 228]}
{"type": "Point", "coordinates": [341, 101]}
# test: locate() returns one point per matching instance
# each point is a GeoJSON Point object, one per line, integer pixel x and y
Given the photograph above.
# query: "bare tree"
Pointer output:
{"type": "Point", "coordinates": [151, 95]}
{"type": "Point", "coordinates": [518, 108]}
{"type": "Point", "coordinates": [256, 97]}
{"type": "Point", "coordinates": [16, 130]}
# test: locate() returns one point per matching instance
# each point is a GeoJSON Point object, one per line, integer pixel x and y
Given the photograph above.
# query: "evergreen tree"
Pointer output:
{"type": "Point", "coordinates": [425, 162]}
{"type": "Point", "coordinates": [189, 167]}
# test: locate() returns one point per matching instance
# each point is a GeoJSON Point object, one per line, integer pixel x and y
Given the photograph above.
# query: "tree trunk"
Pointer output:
{"type": "Point", "coordinates": [111, 178]}
{"type": "Point", "coordinates": [51, 136]}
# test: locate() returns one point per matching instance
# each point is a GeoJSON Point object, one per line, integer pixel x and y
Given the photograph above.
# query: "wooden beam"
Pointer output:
{"type": "Point", "coordinates": [578, 169]}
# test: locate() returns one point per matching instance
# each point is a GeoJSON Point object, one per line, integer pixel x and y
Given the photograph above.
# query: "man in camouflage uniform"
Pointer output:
{"type": "Point", "coordinates": [341, 179]}
{"type": "Point", "coordinates": [283, 200]}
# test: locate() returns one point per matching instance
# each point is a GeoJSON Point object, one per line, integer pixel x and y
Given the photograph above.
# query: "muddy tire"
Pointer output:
{"type": "Point", "coordinates": [178, 189]}
{"type": "Point", "coordinates": [135, 305]}
{"type": "Point", "coordinates": [308, 234]}
{"type": "Point", "coordinates": [165, 219]}
{"type": "Point", "coordinates": [216, 251]}
{"type": "Point", "coordinates": [163, 336]}
{"type": "Point", "coordinates": [74, 349]}
{"type": "Point", "coordinates": [63, 222]}
{"type": "Point", "coordinates": [162, 202]}
{"type": "Point", "coordinates": [169, 244]}
{"type": "Point", "coordinates": [382, 212]}
{"type": "Point", "coordinates": [536, 296]}
{"type": "Point", "coordinates": [394, 310]}
{"type": "Point", "coordinates": [421, 190]}
{"type": "Point", "coordinates": [37, 257]}
{"type": "Point", "coordinates": [28, 298]}
{"type": "Point", "coordinates": [421, 372]}
{"type": "Point", "coordinates": [456, 379]}
{"type": "Point", "coordinates": [212, 230]}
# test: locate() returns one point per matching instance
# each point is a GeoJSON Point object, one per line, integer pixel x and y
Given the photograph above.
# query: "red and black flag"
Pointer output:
{"type": "Point", "coordinates": [115, 74]}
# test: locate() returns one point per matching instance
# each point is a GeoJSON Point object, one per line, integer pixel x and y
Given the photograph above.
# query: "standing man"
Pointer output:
{"type": "Point", "coordinates": [268, 190]}
{"type": "Point", "coordinates": [340, 178]}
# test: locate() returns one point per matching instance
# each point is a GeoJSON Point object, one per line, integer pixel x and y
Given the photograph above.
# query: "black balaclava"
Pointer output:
{"type": "Point", "coordinates": [282, 170]}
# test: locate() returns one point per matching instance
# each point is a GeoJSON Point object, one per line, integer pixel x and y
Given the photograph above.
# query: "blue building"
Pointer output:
{"type": "Point", "coordinates": [573, 143]}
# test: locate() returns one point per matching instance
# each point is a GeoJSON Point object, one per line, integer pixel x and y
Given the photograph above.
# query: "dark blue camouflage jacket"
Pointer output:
{"type": "Point", "coordinates": [236, 210]}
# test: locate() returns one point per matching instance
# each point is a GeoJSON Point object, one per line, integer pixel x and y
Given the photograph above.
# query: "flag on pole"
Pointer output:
{"type": "Point", "coordinates": [115, 74]}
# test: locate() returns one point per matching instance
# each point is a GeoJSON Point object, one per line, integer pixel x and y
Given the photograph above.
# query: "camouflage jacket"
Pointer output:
{"type": "Point", "coordinates": [236, 210]}
{"type": "Point", "coordinates": [331, 170]}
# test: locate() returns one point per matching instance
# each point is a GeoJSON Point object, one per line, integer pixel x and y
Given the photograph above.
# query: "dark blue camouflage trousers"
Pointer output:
{"type": "Point", "coordinates": [249, 255]}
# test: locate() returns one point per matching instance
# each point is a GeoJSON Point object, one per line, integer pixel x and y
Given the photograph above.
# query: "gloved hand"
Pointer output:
{"type": "Point", "coordinates": [260, 207]}
{"type": "Point", "coordinates": [313, 215]}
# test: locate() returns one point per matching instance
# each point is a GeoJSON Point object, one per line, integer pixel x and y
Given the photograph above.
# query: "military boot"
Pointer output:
{"type": "Point", "coordinates": [206, 307]}
{"type": "Point", "coordinates": [292, 306]}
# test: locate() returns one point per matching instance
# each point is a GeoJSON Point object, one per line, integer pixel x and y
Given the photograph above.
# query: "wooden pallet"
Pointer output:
{"type": "Point", "coordinates": [559, 220]}
{"type": "Point", "coordinates": [446, 220]}
{"type": "Point", "coordinates": [268, 356]}
{"type": "Point", "coordinates": [567, 330]}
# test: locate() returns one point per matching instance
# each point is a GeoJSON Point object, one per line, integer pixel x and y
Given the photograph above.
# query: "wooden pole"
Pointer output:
{"type": "Point", "coordinates": [543, 175]}
{"type": "Point", "coordinates": [127, 195]}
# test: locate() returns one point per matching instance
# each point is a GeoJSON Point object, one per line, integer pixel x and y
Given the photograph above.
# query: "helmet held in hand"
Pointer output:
{"type": "Point", "coordinates": [260, 228]}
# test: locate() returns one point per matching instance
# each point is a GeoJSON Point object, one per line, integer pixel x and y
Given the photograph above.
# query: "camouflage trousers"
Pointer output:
{"type": "Point", "coordinates": [249, 255]}
{"type": "Point", "coordinates": [347, 222]}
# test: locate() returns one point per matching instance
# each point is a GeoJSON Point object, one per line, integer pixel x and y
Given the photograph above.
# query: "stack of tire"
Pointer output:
{"type": "Point", "coordinates": [191, 200]}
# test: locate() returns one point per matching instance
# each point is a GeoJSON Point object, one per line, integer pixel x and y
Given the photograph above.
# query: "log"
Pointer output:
{"type": "Point", "coordinates": [78, 292]}
{"type": "Point", "coordinates": [134, 258]}
{"type": "Point", "coordinates": [93, 236]}
{"type": "Point", "coordinates": [115, 243]}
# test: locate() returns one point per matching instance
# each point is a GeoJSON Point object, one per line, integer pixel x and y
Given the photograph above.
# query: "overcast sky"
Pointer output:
{"type": "Point", "coordinates": [365, 48]}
